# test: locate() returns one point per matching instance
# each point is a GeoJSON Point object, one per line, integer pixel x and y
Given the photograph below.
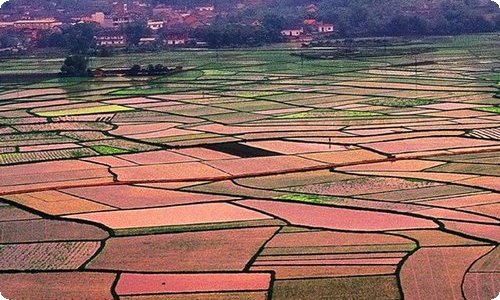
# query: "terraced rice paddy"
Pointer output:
{"type": "Point", "coordinates": [254, 175]}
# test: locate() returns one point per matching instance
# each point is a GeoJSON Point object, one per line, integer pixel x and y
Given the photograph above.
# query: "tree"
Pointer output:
{"type": "Point", "coordinates": [52, 39]}
{"type": "Point", "coordinates": [135, 31]}
{"type": "Point", "coordinates": [222, 34]}
{"type": "Point", "coordinates": [135, 70]}
{"type": "Point", "coordinates": [7, 5]}
{"type": "Point", "coordinates": [406, 26]}
{"type": "Point", "coordinates": [75, 66]}
{"type": "Point", "coordinates": [159, 69]}
{"type": "Point", "coordinates": [8, 40]}
{"type": "Point", "coordinates": [80, 38]}
{"type": "Point", "coordinates": [104, 52]}
{"type": "Point", "coordinates": [272, 26]}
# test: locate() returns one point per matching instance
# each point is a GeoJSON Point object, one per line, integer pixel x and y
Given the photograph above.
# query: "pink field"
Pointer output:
{"type": "Point", "coordinates": [137, 284]}
{"type": "Point", "coordinates": [192, 171]}
{"type": "Point", "coordinates": [206, 251]}
{"type": "Point", "coordinates": [48, 147]}
{"type": "Point", "coordinates": [328, 238]}
{"type": "Point", "coordinates": [204, 154]}
{"type": "Point", "coordinates": [47, 256]}
{"type": "Point", "coordinates": [426, 144]}
{"type": "Point", "coordinates": [48, 230]}
{"type": "Point", "coordinates": [321, 271]}
{"type": "Point", "coordinates": [132, 129]}
{"type": "Point", "coordinates": [344, 157]}
{"type": "Point", "coordinates": [50, 173]}
{"type": "Point", "coordinates": [172, 216]}
{"type": "Point", "coordinates": [338, 218]}
{"type": "Point", "coordinates": [429, 238]}
{"type": "Point", "coordinates": [489, 232]}
{"type": "Point", "coordinates": [294, 147]}
{"type": "Point", "coordinates": [127, 196]}
{"type": "Point", "coordinates": [50, 285]}
{"type": "Point", "coordinates": [248, 166]}
{"type": "Point", "coordinates": [479, 286]}
{"type": "Point", "coordinates": [156, 157]}
{"type": "Point", "coordinates": [466, 200]}
{"type": "Point", "coordinates": [360, 186]}
{"type": "Point", "coordinates": [394, 166]}
{"type": "Point", "coordinates": [436, 273]}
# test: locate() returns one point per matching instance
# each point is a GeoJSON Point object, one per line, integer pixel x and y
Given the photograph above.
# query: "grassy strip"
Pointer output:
{"type": "Point", "coordinates": [401, 102]}
{"type": "Point", "coordinates": [305, 198]}
{"type": "Point", "coordinates": [84, 111]}
{"type": "Point", "coordinates": [491, 109]}
{"type": "Point", "coordinates": [331, 114]}
{"type": "Point", "coordinates": [108, 150]}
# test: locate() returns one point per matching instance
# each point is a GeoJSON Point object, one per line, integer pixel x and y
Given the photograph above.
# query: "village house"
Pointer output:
{"type": "Point", "coordinates": [6, 24]}
{"type": "Point", "coordinates": [147, 41]}
{"type": "Point", "coordinates": [192, 21]}
{"type": "Point", "coordinates": [296, 32]}
{"type": "Point", "coordinates": [311, 8]}
{"type": "Point", "coordinates": [155, 25]}
{"type": "Point", "coordinates": [310, 22]}
{"type": "Point", "coordinates": [162, 10]}
{"type": "Point", "coordinates": [176, 40]}
{"type": "Point", "coordinates": [139, 7]}
{"type": "Point", "coordinates": [256, 23]}
{"type": "Point", "coordinates": [173, 20]}
{"type": "Point", "coordinates": [205, 8]}
{"type": "Point", "coordinates": [38, 24]}
{"type": "Point", "coordinates": [111, 39]}
{"type": "Point", "coordinates": [27, 37]}
{"type": "Point", "coordinates": [119, 8]}
{"type": "Point", "coordinates": [138, 11]}
{"type": "Point", "coordinates": [325, 28]}
{"type": "Point", "coordinates": [105, 72]}
{"type": "Point", "coordinates": [118, 21]}
{"type": "Point", "coordinates": [97, 17]}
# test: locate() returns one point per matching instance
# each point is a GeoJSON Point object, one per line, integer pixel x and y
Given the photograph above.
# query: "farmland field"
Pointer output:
{"type": "Point", "coordinates": [255, 174]}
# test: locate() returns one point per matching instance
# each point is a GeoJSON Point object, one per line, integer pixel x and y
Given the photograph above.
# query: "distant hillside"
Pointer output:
{"type": "Point", "coordinates": [392, 17]}
{"type": "Point", "coordinates": [351, 17]}
{"type": "Point", "coordinates": [45, 6]}
{"type": "Point", "coordinates": [396, 6]}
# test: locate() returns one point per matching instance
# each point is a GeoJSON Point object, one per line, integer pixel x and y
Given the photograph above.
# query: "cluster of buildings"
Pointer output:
{"type": "Point", "coordinates": [158, 17]}
{"type": "Point", "coordinates": [35, 24]}
{"type": "Point", "coordinates": [114, 39]}
{"type": "Point", "coordinates": [27, 31]}
{"type": "Point", "coordinates": [308, 29]}
{"type": "Point", "coordinates": [168, 25]}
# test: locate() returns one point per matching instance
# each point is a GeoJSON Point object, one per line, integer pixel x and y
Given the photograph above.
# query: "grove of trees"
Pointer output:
{"type": "Point", "coordinates": [76, 66]}
{"type": "Point", "coordinates": [78, 39]}
{"type": "Point", "coordinates": [231, 33]}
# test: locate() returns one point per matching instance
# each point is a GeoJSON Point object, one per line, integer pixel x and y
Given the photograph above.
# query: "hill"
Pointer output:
{"type": "Point", "coordinates": [350, 17]}
{"type": "Point", "coordinates": [392, 17]}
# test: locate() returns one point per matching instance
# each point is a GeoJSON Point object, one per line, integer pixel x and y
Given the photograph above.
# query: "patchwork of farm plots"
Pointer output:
{"type": "Point", "coordinates": [254, 175]}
